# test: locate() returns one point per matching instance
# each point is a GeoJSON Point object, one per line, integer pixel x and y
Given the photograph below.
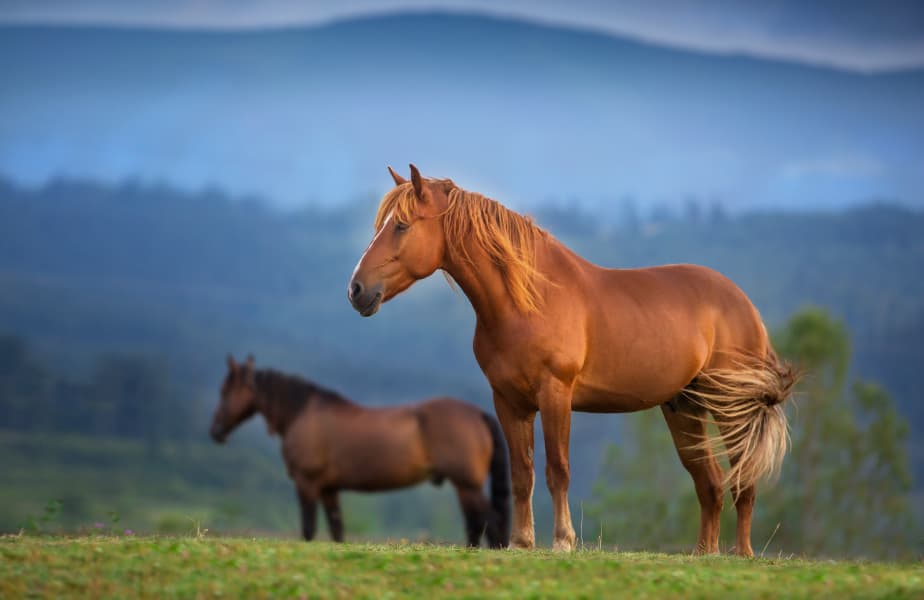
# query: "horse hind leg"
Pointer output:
{"type": "Point", "coordinates": [744, 506]}
{"type": "Point", "coordinates": [744, 497]}
{"type": "Point", "coordinates": [688, 430]}
{"type": "Point", "coordinates": [477, 510]}
{"type": "Point", "coordinates": [746, 408]}
{"type": "Point", "coordinates": [331, 502]}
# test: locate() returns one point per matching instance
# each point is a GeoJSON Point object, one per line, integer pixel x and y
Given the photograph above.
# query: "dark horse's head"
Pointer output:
{"type": "Point", "coordinates": [238, 399]}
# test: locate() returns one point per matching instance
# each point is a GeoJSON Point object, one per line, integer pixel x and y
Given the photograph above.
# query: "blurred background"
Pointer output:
{"type": "Point", "coordinates": [181, 180]}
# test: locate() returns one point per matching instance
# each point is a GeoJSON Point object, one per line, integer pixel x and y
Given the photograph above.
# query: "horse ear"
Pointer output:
{"type": "Point", "coordinates": [232, 364]}
{"type": "Point", "coordinates": [417, 180]}
{"type": "Point", "coordinates": [250, 375]}
{"type": "Point", "coordinates": [398, 179]}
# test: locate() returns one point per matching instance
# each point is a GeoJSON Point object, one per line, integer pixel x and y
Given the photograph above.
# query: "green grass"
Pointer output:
{"type": "Point", "coordinates": [252, 568]}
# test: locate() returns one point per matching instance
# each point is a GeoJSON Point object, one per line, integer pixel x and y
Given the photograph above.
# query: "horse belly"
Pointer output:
{"type": "Point", "coordinates": [631, 378]}
{"type": "Point", "coordinates": [587, 398]}
{"type": "Point", "coordinates": [385, 459]}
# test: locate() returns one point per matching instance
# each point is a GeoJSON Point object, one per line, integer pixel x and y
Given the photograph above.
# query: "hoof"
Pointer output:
{"type": "Point", "coordinates": [563, 545]}
{"type": "Point", "coordinates": [521, 544]}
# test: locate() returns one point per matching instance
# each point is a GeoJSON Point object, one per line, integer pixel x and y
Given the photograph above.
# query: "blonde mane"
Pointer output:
{"type": "Point", "coordinates": [508, 238]}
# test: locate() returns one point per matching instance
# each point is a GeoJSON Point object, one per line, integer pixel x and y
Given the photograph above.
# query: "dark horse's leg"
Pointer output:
{"type": "Point", "coordinates": [688, 430]}
{"type": "Point", "coordinates": [307, 503]}
{"type": "Point", "coordinates": [332, 511]}
{"type": "Point", "coordinates": [477, 511]}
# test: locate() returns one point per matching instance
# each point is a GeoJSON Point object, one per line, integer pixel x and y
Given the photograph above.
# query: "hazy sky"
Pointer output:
{"type": "Point", "coordinates": [852, 34]}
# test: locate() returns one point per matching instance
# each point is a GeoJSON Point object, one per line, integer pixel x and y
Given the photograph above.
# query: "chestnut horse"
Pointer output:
{"type": "Point", "coordinates": [331, 444]}
{"type": "Point", "coordinates": [556, 333]}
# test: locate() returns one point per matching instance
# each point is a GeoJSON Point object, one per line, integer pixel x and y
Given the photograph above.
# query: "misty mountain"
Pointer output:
{"type": "Point", "coordinates": [524, 113]}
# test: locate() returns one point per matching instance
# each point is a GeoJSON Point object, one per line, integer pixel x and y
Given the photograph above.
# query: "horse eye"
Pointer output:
{"type": "Point", "coordinates": [399, 226]}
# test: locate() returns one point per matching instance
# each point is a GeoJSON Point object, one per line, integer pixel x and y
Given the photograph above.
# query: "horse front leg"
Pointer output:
{"type": "Point", "coordinates": [518, 429]}
{"type": "Point", "coordinates": [307, 501]}
{"type": "Point", "coordinates": [554, 400]}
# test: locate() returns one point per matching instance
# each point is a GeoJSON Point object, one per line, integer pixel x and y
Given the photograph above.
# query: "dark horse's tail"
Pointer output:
{"type": "Point", "coordinates": [498, 530]}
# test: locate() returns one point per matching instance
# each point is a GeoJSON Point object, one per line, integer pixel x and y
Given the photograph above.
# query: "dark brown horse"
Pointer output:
{"type": "Point", "coordinates": [331, 444]}
{"type": "Point", "coordinates": [555, 333]}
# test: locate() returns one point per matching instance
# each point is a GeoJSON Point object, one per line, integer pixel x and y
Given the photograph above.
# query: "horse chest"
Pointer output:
{"type": "Point", "coordinates": [303, 448]}
{"type": "Point", "coordinates": [506, 368]}
{"type": "Point", "coordinates": [517, 373]}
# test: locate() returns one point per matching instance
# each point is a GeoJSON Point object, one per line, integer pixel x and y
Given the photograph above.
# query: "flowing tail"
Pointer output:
{"type": "Point", "coordinates": [498, 531]}
{"type": "Point", "coordinates": [747, 404]}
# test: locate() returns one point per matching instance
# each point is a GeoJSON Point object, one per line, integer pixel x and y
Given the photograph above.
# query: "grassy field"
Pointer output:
{"type": "Point", "coordinates": [237, 489]}
{"type": "Point", "coordinates": [98, 566]}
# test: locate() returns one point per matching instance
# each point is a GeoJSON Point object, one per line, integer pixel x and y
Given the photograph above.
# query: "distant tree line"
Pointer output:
{"type": "Point", "coordinates": [125, 396]}
{"type": "Point", "coordinates": [92, 269]}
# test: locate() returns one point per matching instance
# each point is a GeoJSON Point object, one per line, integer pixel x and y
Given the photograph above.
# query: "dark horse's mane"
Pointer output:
{"type": "Point", "coordinates": [285, 396]}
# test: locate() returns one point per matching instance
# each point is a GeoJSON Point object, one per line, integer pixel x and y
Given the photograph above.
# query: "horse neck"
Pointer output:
{"type": "Point", "coordinates": [483, 284]}
{"type": "Point", "coordinates": [280, 399]}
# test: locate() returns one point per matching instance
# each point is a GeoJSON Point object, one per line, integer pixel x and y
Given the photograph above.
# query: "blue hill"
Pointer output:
{"type": "Point", "coordinates": [523, 112]}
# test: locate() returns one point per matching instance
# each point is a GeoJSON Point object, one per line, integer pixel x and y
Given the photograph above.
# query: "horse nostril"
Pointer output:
{"type": "Point", "coordinates": [356, 290]}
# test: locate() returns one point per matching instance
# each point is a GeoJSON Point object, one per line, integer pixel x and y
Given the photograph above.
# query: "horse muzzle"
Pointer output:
{"type": "Point", "coordinates": [366, 301]}
{"type": "Point", "coordinates": [219, 433]}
